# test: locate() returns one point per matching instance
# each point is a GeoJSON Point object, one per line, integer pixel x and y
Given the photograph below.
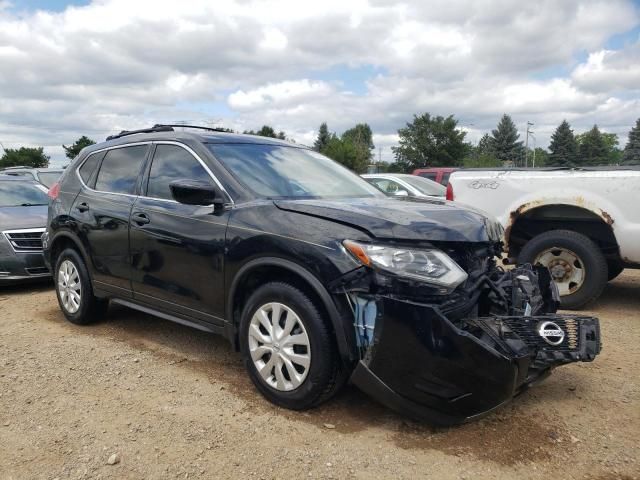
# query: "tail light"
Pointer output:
{"type": "Point", "coordinates": [449, 191]}
{"type": "Point", "coordinates": [54, 191]}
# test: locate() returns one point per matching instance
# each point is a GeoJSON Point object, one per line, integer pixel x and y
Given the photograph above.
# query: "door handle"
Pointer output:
{"type": "Point", "coordinates": [83, 207]}
{"type": "Point", "coordinates": [140, 218]}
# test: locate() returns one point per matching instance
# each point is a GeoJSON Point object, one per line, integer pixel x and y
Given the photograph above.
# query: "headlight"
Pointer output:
{"type": "Point", "coordinates": [429, 265]}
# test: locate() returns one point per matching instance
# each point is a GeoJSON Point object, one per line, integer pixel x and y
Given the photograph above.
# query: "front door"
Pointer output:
{"type": "Point", "coordinates": [177, 250]}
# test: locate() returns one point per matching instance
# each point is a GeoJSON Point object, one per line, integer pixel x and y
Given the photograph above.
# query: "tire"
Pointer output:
{"type": "Point", "coordinates": [306, 387]}
{"type": "Point", "coordinates": [614, 269]}
{"type": "Point", "coordinates": [86, 308]}
{"type": "Point", "coordinates": [556, 249]}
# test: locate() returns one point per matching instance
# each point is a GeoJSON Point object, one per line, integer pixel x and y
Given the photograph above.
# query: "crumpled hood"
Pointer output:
{"type": "Point", "coordinates": [12, 218]}
{"type": "Point", "coordinates": [403, 219]}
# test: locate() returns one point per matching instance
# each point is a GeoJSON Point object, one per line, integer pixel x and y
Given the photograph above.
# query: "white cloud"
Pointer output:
{"type": "Point", "coordinates": [118, 64]}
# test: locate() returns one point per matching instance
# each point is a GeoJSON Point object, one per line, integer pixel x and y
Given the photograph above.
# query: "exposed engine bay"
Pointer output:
{"type": "Point", "coordinates": [448, 357]}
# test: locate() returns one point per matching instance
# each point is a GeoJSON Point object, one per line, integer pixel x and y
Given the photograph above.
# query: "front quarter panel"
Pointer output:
{"type": "Point", "coordinates": [260, 229]}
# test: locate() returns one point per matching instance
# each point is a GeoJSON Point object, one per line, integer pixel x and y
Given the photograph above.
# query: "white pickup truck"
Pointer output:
{"type": "Point", "coordinates": [583, 224]}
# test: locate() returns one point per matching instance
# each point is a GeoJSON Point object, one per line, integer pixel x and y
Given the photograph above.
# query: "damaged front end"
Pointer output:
{"type": "Point", "coordinates": [451, 356]}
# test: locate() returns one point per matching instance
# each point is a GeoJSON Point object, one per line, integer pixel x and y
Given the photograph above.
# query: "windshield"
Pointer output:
{"type": "Point", "coordinates": [277, 171]}
{"type": "Point", "coordinates": [48, 178]}
{"type": "Point", "coordinates": [425, 186]}
{"type": "Point", "coordinates": [17, 194]}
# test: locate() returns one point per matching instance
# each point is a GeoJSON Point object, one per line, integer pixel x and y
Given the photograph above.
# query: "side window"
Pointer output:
{"type": "Point", "coordinates": [88, 167]}
{"type": "Point", "coordinates": [120, 169]}
{"type": "Point", "coordinates": [445, 178]}
{"type": "Point", "coordinates": [170, 163]}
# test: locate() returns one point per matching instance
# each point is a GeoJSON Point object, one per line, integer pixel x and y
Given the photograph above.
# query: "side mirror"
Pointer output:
{"type": "Point", "coordinates": [400, 193]}
{"type": "Point", "coordinates": [196, 192]}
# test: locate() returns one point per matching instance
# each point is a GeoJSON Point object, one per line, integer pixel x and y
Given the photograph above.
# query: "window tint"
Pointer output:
{"type": "Point", "coordinates": [88, 167]}
{"type": "Point", "coordinates": [170, 163]}
{"type": "Point", "coordinates": [120, 169]}
{"type": "Point", "coordinates": [445, 178]}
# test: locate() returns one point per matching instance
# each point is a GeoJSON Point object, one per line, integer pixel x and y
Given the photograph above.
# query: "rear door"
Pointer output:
{"type": "Point", "coordinates": [178, 250]}
{"type": "Point", "coordinates": [102, 210]}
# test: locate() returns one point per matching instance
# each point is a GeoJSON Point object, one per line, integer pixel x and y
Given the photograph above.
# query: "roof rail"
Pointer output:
{"type": "Point", "coordinates": [155, 128]}
{"type": "Point", "coordinates": [177, 125]}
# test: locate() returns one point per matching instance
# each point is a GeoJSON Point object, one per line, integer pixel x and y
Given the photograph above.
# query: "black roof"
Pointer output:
{"type": "Point", "coordinates": [186, 136]}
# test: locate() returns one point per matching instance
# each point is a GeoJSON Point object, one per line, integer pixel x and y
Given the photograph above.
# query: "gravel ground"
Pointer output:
{"type": "Point", "coordinates": [139, 397]}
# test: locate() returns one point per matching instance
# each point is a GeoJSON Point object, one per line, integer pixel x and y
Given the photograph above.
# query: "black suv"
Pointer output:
{"type": "Point", "coordinates": [313, 274]}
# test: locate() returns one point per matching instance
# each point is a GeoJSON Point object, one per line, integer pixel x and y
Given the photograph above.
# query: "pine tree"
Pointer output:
{"type": "Point", "coordinates": [73, 150]}
{"type": "Point", "coordinates": [564, 148]}
{"type": "Point", "coordinates": [592, 150]}
{"type": "Point", "coordinates": [504, 141]}
{"type": "Point", "coordinates": [323, 138]}
{"type": "Point", "coordinates": [631, 154]}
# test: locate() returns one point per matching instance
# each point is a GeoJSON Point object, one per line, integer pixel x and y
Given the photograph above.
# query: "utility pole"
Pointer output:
{"type": "Point", "coordinates": [526, 143]}
{"type": "Point", "coordinates": [534, 149]}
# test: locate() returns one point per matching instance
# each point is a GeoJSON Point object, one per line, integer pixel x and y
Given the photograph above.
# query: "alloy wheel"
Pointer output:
{"type": "Point", "coordinates": [69, 286]}
{"type": "Point", "coordinates": [279, 346]}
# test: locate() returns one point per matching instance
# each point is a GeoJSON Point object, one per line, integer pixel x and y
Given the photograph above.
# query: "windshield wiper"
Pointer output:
{"type": "Point", "coordinates": [32, 204]}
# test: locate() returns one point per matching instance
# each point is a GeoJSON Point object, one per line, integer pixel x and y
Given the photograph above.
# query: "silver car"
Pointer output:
{"type": "Point", "coordinates": [404, 185]}
{"type": "Point", "coordinates": [23, 215]}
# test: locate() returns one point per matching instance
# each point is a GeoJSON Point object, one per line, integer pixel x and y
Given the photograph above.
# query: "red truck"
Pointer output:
{"type": "Point", "coordinates": [437, 174]}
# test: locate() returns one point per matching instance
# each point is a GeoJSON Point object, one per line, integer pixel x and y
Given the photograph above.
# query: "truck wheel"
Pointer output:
{"type": "Point", "coordinates": [288, 348]}
{"type": "Point", "coordinates": [614, 268]}
{"type": "Point", "coordinates": [576, 264]}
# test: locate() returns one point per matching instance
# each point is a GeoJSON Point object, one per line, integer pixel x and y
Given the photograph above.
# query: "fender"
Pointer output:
{"type": "Point", "coordinates": [68, 235]}
{"type": "Point", "coordinates": [344, 349]}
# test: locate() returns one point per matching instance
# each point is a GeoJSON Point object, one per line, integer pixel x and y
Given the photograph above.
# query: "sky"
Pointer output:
{"type": "Point", "coordinates": [72, 68]}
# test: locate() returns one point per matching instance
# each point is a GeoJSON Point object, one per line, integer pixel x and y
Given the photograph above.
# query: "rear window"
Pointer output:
{"type": "Point", "coordinates": [429, 175]}
{"type": "Point", "coordinates": [48, 178]}
{"type": "Point", "coordinates": [120, 169]}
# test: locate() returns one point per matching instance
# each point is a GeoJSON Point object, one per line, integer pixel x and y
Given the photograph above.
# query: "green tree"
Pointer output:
{"type": "Point", "coordinates": [564, 147]}
{"type": "Point", "coordinates": [485, 146]}
{"type": "Point", "coordinates": [344, 151]}
{"type": "Point", "coordinates": [592, 149]}
{"type": "Point", "coordinates": [323, 138]}
{"type": "Point", "coordinates": [631, 154]}
{"type": "Point", "coordinates": [504, 141]}
{"type": "Point", "coordinates": [24, 156]}
{"type": "Point", "coordinates": [481, 161]}
{"type": "Point", "coordinates": [432, 141]}
{"type": "Point", "coordinates": [361, 137]}
{"type": "Point", "coordinates": [79, 144]}
{"type": "Point", "coordinates": [614, 154]}
{"type": "Point", "coordinates": [267, 131]}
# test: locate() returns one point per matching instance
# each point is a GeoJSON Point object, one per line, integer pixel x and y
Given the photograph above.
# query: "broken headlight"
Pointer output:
{"type": "Point", "coordinates": [429, 265]}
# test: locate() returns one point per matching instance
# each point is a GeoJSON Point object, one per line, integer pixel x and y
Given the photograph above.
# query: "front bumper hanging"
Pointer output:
{"type": "Point", "coordinates": [420, 363]}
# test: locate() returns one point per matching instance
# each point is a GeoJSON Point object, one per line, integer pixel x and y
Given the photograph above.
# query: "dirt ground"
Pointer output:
{"type": "Point", "coordinates": [160, 400]}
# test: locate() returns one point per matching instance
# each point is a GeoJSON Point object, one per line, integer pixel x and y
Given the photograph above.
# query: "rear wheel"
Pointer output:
{"type": "Point", "coordinates": [576, 264]}
{"type": "Point", "coordinates": [287, 347]}
{"type": "Point", "coordinates": [74, 291]}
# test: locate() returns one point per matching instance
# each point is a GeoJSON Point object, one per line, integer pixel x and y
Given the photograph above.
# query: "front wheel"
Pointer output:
{"type": "Point", "coordinates": [288, 348]}
{"type": "Point", "coordinates": [576, 264]}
